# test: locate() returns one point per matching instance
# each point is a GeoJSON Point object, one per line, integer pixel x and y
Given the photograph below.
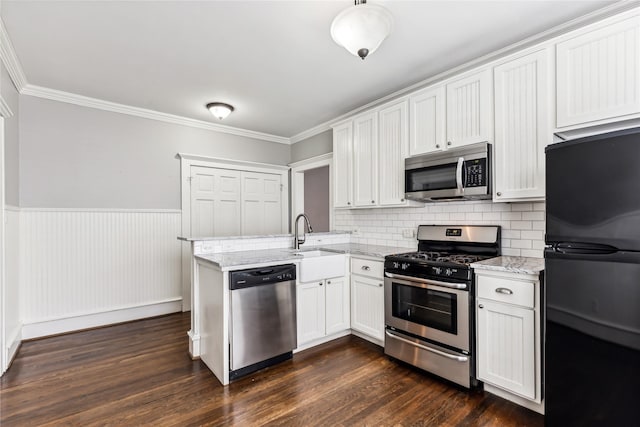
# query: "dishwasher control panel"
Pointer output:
{"type": "Point", "coordinates": [261, 276]}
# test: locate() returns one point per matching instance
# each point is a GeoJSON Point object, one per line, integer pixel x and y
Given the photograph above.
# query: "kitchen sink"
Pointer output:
{"type": "Point", "coordinates": [318, 264]}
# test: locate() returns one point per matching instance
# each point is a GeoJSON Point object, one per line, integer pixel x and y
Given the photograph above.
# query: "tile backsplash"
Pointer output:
{"type": "Point", "coordinates": [522, 223]}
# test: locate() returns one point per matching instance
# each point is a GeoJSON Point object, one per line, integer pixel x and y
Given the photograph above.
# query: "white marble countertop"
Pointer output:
{"type": "Point", "coordinates": [512, 264]}
{"type": "Point", "coordinates": [247, 259]}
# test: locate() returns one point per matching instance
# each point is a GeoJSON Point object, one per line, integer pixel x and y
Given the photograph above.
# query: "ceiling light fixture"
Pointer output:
{"type": "Point", "coordinates": [220, 109]}
{"type": "Point", "coordinates": [361, 28]}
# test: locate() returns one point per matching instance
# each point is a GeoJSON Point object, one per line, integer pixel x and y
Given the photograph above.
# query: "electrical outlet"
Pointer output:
{"type": "Point", "coordinates": [408, 233]}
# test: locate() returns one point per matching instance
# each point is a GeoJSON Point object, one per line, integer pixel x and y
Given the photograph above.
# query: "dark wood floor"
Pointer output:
{"type": "Point", "coordinates": [139, 373]}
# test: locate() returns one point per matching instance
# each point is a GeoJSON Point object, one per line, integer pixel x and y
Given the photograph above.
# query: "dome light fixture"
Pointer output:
{"type": "Point", "coordinates": [361, 28]}
{"type": "Point", "coordinates": [220, 109]}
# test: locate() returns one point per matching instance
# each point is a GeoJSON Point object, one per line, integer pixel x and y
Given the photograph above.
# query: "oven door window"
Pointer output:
{"type": "Point", "coordinates": [441, 177]}
{"type": "Point", "coordinates": [427, 307]}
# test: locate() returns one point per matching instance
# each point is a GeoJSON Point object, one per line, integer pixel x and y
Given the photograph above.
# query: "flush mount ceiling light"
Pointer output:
{"type": "Point", "coordinates": [361, 28]}
{"type": "Point", "coordinates": [220, 109]}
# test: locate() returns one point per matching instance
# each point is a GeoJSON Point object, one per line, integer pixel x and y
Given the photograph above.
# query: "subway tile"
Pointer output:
{"type": "Point", "coordinates": [533, 234]}
{"type": "Point", "coordinates": [522, 207]}
{"type": "Point", "coordinates": [522, 244]}
{"type": "Point", "coordinates": [532, 253]}
{"type": "Point", "coordinates": [521, 225]}
{"type": "Point", "coordinates": [510, 216]}
{"type": "Point", "coordinates": [511, 252]}
{"type": "Point", "coordinates": [534, 216]}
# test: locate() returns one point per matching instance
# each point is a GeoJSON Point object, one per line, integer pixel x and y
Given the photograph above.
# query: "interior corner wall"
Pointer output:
{"type": "Point", "coordinates": [316, 145]}
{"type": "Point", "coordinates": [316, 198]}
{"type": "Point", "coordinates": [11, 137]}
{"type": "Point", "coordinates": [12, 293]}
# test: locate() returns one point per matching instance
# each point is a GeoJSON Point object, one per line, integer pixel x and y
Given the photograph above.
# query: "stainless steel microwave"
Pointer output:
{"type": "Point", "coordinates": [456, 174]}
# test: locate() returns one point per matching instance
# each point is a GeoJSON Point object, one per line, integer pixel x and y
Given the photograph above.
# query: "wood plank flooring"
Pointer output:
{"type": "Point", "coordinates": [140, 373]}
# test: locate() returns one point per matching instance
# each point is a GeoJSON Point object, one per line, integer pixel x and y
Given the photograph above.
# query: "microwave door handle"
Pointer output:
{"type": "Point", "coordinates": [459, 168]}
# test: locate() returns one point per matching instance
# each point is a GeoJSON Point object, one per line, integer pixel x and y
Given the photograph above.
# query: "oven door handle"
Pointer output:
{"type": "Point", "coordinates": [424, 347]}
{"type": "Point", "coordinates": [426, 281]}
{"type": "Point", "coordinates": [459, 168]}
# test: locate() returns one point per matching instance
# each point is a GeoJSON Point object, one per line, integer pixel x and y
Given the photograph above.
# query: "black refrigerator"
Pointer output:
{"type": "Point", "coordinates": [592, 281]}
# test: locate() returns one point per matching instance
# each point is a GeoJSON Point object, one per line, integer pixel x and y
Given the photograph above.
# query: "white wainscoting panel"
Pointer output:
{"type": "Point", "coordinates": [80, 263]}
{"type": "Point", "coordinates": [12, 322]}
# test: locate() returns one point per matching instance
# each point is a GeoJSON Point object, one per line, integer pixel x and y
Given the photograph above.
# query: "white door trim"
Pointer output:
{"type": "Point", "coordinates": [188, 160]}
{"type": "Point", "coordinates": [297, 184]}
{"type": "Point", "coordinates": [3, 338]}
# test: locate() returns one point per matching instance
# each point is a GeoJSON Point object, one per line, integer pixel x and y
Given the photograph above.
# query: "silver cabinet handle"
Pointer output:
{"type": "Point", "coordinates": [379, 285]}
{"type": "Point", "coordinates": [499, 194]}
{"type": "Point", "coordinates": [373, 201]}
{"type": "Point", "coordinates": [448, 142]}
{"type": "Point", "coordinates": [366, 268]}
{"type": "Point", "coordinates": [328, 282]}
{"type": "Point", "coordinates": [505, 291]}
{"type": "Point", "coordinates": [480, 305]}
{"type": "Point", "coordinates": [348, 203]}
{"type": "Point", "coordinates": [320, 283]}
{"type": "Point", "coordinates": [437, 145]}
{"type": "Point", "coordinates": [423, 347]}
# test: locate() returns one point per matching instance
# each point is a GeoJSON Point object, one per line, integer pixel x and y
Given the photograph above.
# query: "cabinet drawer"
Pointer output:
{"type": "Point", "coordinates": [367, 267]}
{"type": "Point", "coordinates": [505, 290]}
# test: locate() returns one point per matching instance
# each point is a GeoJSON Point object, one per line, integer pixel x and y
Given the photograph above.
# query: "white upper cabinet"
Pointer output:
{"type": "Point", "coordinates": [522, 126]}
{"type": "Point", "coordinates": [365, 159]}
{"type": "Point", "coordinates": [428, 121]}
{"type": "Point", "coordinates": [599, 74]}
{"type": "Point", "coordinates": [469, 107]}
{"type": "Point", "coordinates": [342, 165]}
{"type": "Point", "coordinates": [393, 143]}
{"type": "Point", "coordinates": [452, 115]}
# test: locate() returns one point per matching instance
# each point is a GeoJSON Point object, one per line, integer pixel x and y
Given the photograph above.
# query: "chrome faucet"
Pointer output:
{"type": "Point", "coordinates": [296, 240]}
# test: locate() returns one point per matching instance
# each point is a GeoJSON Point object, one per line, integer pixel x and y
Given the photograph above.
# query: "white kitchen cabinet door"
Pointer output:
{"type": "Point", "coordinates": [469, 110]}
{"type": "Point", "coordinates": [215, 202]}
{"type": "Point", "coordinates": [393, 142]}
{"type": "Point", "coordinates": [428, 121]}
{"type": "Point", "coordinates": [599, 74]}
{"type": "Point", "coordinates": [365, 159]}
{"type": "Point", "coordinates": [336, 305]}
{"type": "Point", "coordinates": [506, 347]}
{"type": "Point", "coordinates": [522, 126]}
{"type": "Point", "coordinates": [310, 309]}
{"type": "Point", "coordinates": [261, 204]}
{"type": "Point", "coordinates": [342, 165]}
{"type": "Point", "coordinates": [367, 306]}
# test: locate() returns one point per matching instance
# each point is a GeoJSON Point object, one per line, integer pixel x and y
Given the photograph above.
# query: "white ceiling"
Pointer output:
{"type": "Point", "coordinates": [274, 61]}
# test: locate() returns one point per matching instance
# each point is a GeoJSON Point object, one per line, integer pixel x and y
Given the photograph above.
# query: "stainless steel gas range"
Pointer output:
{"type": "Point", "coordinates": [428, 297]}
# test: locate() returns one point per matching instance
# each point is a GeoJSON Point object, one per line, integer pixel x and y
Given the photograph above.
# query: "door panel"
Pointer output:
{"type": "Point", "coordinates": [215, 202]}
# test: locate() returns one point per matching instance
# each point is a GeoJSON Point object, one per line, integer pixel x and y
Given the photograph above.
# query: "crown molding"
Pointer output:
{"type": "Point", "coordinates": [10, 59]}
{"type": "Point", "coordinates": [85, 101]}
{"type": "Point", "coordinates": [311, 132]}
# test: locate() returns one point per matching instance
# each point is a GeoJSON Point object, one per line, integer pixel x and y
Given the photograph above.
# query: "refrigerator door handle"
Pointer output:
{"type": "Point", "coordinates": [584, 248]}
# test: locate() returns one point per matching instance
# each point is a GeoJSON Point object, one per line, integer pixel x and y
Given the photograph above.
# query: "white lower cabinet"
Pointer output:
{"type": "Point", "coordinates": [367, 298]}
{"type": "Point", "coordinates": [322, 309]}
{"type": "Point", "coordinates": [508, 333]}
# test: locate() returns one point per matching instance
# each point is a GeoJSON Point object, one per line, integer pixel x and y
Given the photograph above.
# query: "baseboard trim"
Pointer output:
{"type": "Point", "coordinates": [536, 407]}
{"type": "Point", "coordinates": [93, 320]}
{"type": "Point", "coordinates": [368, 338]}
{"type": "Point", "coordinates": [322, 340]}
{"type": "Point", "coordinates": [13, 344]}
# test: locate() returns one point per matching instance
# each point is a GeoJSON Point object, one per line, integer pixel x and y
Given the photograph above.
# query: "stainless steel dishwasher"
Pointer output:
{"type": "Point", "coordinates": [263, 318]}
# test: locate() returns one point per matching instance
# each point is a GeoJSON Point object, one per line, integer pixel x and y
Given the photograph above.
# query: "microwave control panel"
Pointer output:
{"type": "Point", "coordinates": [476, 173]}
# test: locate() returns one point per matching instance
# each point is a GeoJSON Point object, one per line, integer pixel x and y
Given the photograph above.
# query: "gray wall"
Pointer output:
{"type": "Point", "coordinates": [72, 156]}
{"type": "Point", "coordinates": [11, 136]}
{"type": "Point", "coordinates": [317, 145]}
{"type": "Point", "coordinates": [316, 198]}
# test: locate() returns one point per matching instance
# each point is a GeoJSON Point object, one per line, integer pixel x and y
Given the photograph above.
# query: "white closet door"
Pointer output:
{"type": "Point", "coordinates": [215, 202]}
{"type": "Point", "coordinates": [261, 204]}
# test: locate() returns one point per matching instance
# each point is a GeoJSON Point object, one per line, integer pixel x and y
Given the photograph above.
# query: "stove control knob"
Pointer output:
{"type": "Point", "coordinates": [448, 272]}
{"type": "Point", "coordinates": [437, 270]}
{"type": "Point", "coordinates": [396, 264]}
{"type": "Point", "coordinates": [405, 265]}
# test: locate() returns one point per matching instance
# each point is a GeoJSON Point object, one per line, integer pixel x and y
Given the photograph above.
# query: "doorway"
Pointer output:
{"type": "Point", "coordinates": [312, 191]}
